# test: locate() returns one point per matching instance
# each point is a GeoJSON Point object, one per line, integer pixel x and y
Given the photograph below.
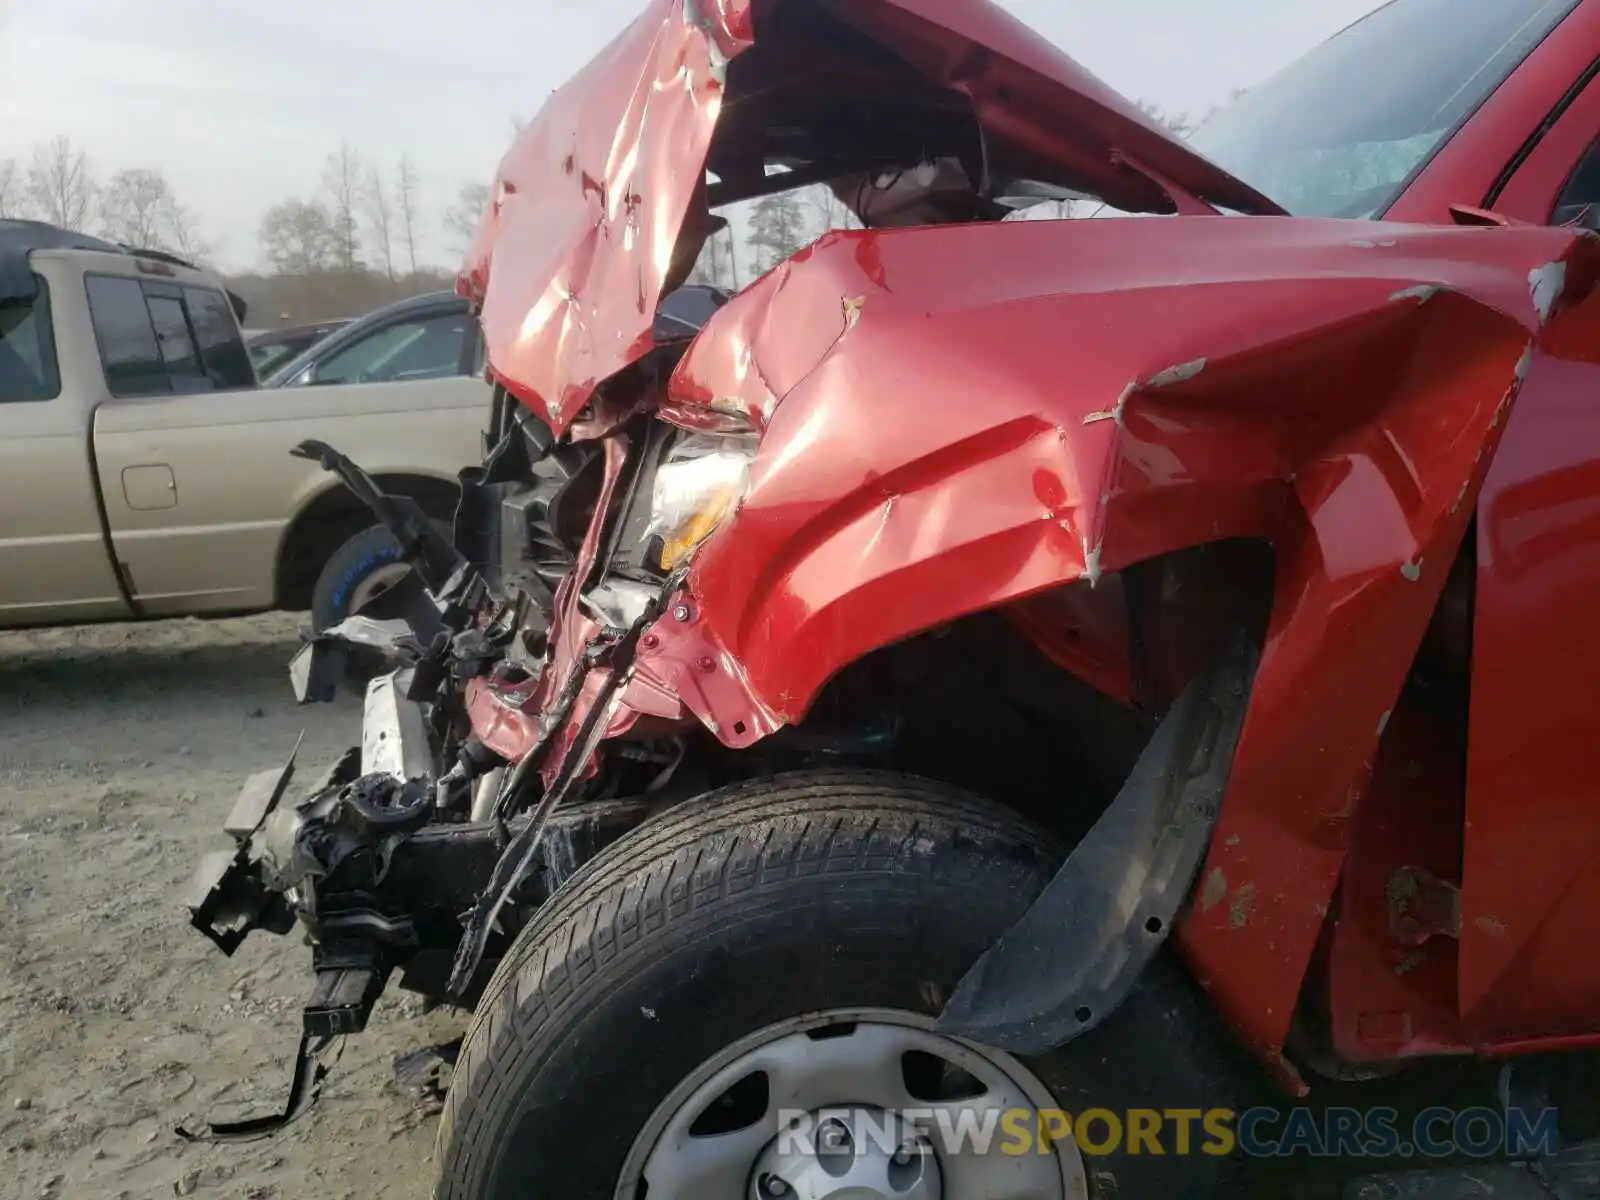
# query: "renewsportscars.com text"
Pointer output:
{"type": "Point", "coordinates": [1257, 1132]}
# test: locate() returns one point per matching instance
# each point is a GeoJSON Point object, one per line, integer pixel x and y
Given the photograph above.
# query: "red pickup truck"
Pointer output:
{"type": "Point", "coordinates": [1124, 685]}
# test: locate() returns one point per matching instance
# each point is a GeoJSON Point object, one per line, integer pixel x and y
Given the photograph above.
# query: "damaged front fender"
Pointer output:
{"type": "Point", "coordinates": [959, 418]}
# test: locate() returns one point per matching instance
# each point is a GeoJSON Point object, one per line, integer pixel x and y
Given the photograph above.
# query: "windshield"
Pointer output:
{"type": "Point", "coordinates": [1341, 131]}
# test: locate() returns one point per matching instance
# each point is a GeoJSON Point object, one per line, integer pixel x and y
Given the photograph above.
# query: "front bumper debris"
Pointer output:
{"type": "Point", "coordinates": [227, 897]}
{"type": "Point", "coordinates": [379, 885]}
{"type": "Point", "coordinates": [321, 861]}
{"type": "Point", "coordinates": [324, 860]}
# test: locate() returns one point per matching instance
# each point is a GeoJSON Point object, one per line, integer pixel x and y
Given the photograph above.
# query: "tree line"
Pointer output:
{"type": "Point", "coordinates": [135, 205]}
{"type": "Point", "coordinates": [359, 241]}
{"type": "Point", "coordinates": [365, 235]}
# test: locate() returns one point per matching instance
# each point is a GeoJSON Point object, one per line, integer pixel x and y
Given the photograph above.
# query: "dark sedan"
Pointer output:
{"type": "Point", "coordinates": [271, 348]}
{"type": "Point", "coordinates": [425, 337]}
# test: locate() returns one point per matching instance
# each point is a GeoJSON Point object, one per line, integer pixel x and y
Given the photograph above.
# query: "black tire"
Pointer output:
{"type": "Point", "coordinates": [361, 555]}
{"type": "Point", "coordinates": [753, 905]}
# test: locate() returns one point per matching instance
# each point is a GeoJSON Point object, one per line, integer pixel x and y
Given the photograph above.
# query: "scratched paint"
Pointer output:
{"type": "Point", "coordinates": [1178, 374]}
{"type": "Point", "coordinates": [1421, 293]}
{"type": "Point", "coordinates": [1242, 906]}
{"type": "Point", "coordinates": [1546, 284]}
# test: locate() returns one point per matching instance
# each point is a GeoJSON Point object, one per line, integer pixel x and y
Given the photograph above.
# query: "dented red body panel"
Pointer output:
{"type": "Point", "coordinates": [586, 207]}
{"type": "Point", "coordinates": [1292, 380]}
{"type": "Point", "coordinates": [961, 418]}
{"type": "Point", "coordinates": [588, 203]}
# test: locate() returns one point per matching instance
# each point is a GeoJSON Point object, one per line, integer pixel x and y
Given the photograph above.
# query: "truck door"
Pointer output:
{"type": "Point", "coordinates": [55, 565]}
{"type": "Point", "coordinates": [195, 460]}
{"type": "Point", "coordinates": [1531, 862]}
{"type": "Point", "coordinates": [182, 447]}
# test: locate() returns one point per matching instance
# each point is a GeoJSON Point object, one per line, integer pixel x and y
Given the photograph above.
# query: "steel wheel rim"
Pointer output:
{"type": "Point", "coordinates": [375, 583]}
{"type": "Point", "coordinates": [810, 1066]}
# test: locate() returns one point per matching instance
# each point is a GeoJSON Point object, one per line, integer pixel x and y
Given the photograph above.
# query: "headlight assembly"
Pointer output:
{"type": "Point", "coordinates": [697, 488]}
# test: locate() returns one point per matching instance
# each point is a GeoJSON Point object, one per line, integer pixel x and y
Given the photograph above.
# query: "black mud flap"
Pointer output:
{"type": "Point", "coordinates": [1074, 956]}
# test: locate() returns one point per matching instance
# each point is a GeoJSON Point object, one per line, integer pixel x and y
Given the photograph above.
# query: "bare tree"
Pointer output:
{"type": "Point", "coordinates": [380, 220]}
{"type": "Point", "coordinates": [12, 199]}
{"type": "Point", "coordinates": [300, 237]}
{"type": "Point", "coordinates": [61, 188]}
{"type": "Point", "coordinates": [134, 207]}
{"type": "Point", "coordinates": [181, 229]}
{"type": "Point", "coordinates": [462, 218]}
{"type": "Point", "coordinates": [138, 208]}
{"type": "Point", "coordinates": [407, 185]}
{"type": "Point", "coordinates": [341, 180]}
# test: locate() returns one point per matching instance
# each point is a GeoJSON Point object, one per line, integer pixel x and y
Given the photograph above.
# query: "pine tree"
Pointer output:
{"type": "Point", "coordinates": [777, 229]}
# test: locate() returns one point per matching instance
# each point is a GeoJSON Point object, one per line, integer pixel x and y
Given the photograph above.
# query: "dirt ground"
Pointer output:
{"type": "Point", "coordinates": [121, 748]}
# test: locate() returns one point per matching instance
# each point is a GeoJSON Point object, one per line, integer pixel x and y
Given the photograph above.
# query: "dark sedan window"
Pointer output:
{"type": "Point", "coordinates": [429, 347]}
{"type": "Point", "coordinates": [269, 356]}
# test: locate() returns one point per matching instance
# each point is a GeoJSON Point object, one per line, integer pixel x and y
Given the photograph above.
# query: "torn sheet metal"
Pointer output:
{"type": "Point", "coordinates": [577, 243]}
{"type": "Point", "coordinates": [1333, 415]}
{"type": "Point", "coordinates": [571, 254]}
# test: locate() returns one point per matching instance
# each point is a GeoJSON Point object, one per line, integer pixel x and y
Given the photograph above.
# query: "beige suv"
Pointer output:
{"type": "Point", "coordinates": [143, 472]}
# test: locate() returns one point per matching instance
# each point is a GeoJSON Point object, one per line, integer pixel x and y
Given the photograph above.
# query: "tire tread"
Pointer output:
{"type": "Point", "coordinates": [746, 842]}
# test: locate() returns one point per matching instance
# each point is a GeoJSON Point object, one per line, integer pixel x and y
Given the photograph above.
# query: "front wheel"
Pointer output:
{"type": "Point", "coordinates": [363, 568]}
{"type": "Point", "coordinates": [736, 1002]}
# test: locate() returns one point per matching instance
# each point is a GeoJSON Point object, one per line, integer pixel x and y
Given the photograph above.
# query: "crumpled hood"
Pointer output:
{"type": "Point", "coordinates": [577, 240]}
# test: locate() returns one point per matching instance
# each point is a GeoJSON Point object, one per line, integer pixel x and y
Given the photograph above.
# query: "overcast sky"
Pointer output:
{"type": "Point", "coordinates": [240, 103]}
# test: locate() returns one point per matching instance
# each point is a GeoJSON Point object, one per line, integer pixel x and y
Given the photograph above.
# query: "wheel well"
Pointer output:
{"type": "Point", "coordinates": [976, 705]}
{"type": "Point", "coordinates": [332, 518]}
{"type": "Point", "coordinates": [1044, 704]}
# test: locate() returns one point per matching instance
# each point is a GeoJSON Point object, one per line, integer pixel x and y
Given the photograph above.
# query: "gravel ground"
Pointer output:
{"type": "Point", "coordinates": [121, 751]}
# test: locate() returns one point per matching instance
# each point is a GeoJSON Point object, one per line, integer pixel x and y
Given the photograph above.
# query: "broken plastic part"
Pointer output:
{"type": "Point", "coordinates": [305, 1088]}
{"type": "Point", "coordinates": [1072, 958]}
{"type": "Point", "coordinates": [421, 544]}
